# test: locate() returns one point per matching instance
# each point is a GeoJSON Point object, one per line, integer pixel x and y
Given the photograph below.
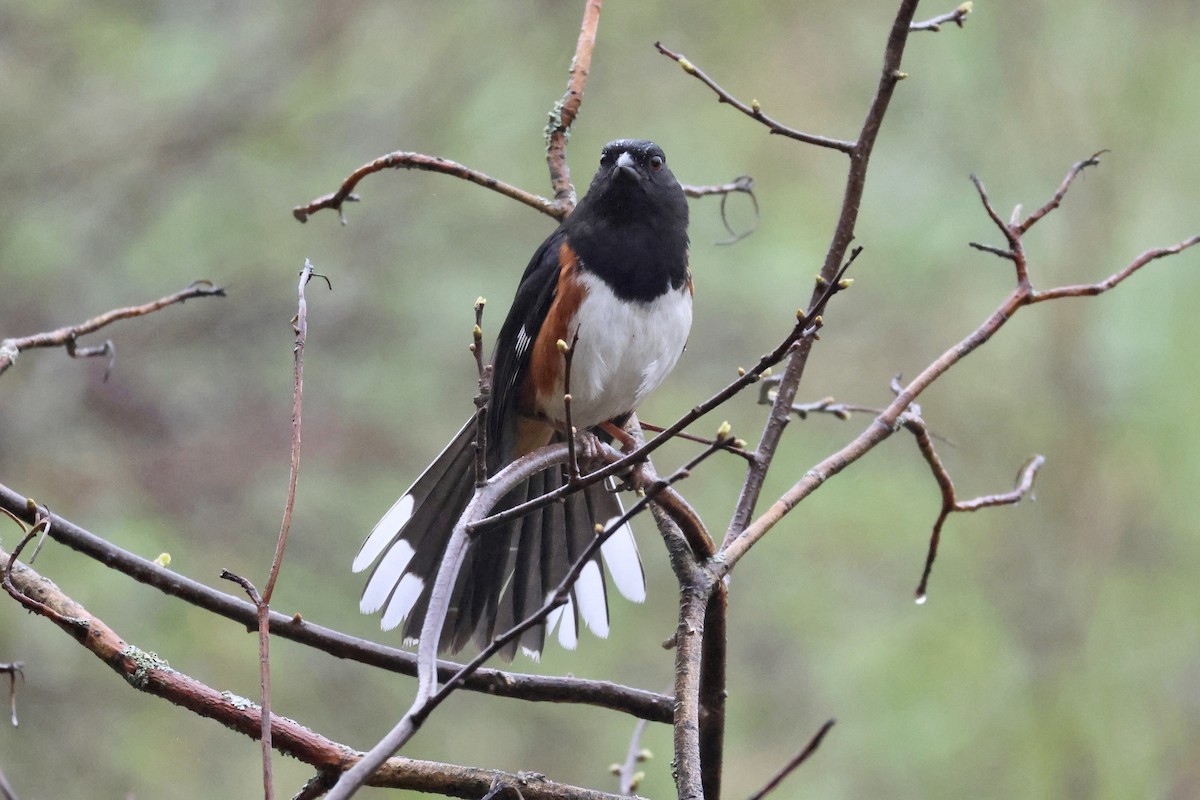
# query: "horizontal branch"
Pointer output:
{"type": "Point", "coordinates": [405, 160]}
{"type": "Point", "coordinates": [67, 337]}
{"type": "Point", "coordinates": [149, 673]}
{"type": "Point", "coordinates": [636, 702]}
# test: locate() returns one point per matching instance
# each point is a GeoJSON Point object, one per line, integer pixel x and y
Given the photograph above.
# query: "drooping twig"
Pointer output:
{"type": "Point", "coordinates": [562, 116]}
{"type": "Point", "coordinates": [957, 17]}
{"type": "Point", "coordinates": [791, 766]}
{"type": "Point", "coordinates": [406, 160]}
{"type": "Point", "coordinates": [950, 503]}
{"type": "Point", "coordinates": [753, 110]}
{"type": "Point", "coordinates": [637, 702]}
{"type": "Point", "coordinates": [743, 184]}
{"type": "Point", "coordinates": [13, 670]}
{"type": "Point", "coordinates": [68, 337]}
{"type": "Point", "coordinates": [149, 673]}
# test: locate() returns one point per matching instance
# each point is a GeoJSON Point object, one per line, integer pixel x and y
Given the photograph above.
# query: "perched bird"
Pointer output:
{"type": "Point", "coordinates": [616, 273]}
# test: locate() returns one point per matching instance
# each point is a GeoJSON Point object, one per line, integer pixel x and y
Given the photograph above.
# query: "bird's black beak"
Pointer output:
{"type": "Point", "coordinates": [626, 169]}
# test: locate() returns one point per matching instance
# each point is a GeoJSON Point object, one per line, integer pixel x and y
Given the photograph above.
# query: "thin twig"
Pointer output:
{"type": "Point", "coordinates": [407, 160]}
{"type": "Point", "coordinates": [67, 337]}
{"type": "Point", "coordinates": [7, 792]}
{"type": "Point", "coordinates": [629, 777]}
{"type": "Point", "coordinates": [754, 110]}
{"type": "Point", "coordinates": [743, 184]}
{"type": "Point", "coordinates": [13, 670]}
{"type": "Point", "coordinates": [958, 16]}
{"type": "Point", "coordinates": [483, 399]}
{"type": "Point", "coordinates": [799, 759]}
{"type": "Point", "coordinates": [950, 503]}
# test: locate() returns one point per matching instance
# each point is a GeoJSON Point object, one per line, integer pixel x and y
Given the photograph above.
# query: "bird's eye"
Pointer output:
{"type": "Point", "coordinates": [605, 158]}
{"type": "Point", "coordinates": [656, 163]}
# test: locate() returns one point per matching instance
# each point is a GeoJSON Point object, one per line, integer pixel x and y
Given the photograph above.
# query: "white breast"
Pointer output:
{"type": "Point", "coordinates": [624, 352]}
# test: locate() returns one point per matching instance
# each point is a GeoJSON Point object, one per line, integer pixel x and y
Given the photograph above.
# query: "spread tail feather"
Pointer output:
{"type": "Point", "coordinates": [509, 571]}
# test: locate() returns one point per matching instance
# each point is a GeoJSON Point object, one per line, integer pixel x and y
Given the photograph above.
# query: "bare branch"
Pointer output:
{"type": "Point", "coordinates": [958, 16]}
{"type": "Point", "coordinates": [791, 766]}
{"type": "Point", "coordinates": [1054, 202]}
{"type": "Point", "coordinates": [743, 184]}
{"type": "Point", "coordinates": [151, 674]}
{"type": "Point", "coordinates": [1092, 289]}
{"type": "Point", "coordinates": [629, 777]}
{"type": "Point", "coordinates": [950, 503]}
{"type": "Point", "coordinates": [67, 337]}
{"type": "Point", "coordinates": [754, 111]}
{"type": "Point", "coordinates": [637, 702]}
{"type": "Point", "coordinates": [887, 422]}
{"type": "Point", "coordinates": [558, 129]}
{"type": "Point", "coordinates": [406, 160]}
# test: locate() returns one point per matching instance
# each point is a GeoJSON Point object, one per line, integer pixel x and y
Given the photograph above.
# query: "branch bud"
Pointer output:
{"type": "Point", "coordinates": [723, 431]}
{"type": "Point", "coordinates": [801, 315]}
{"type": "Point", "coordinates": [898, 75]}
{"type": "Point", "coordinates": [563, 347]}
{"type": "Point", "coordinates": [480, 302]}
{"type": "Point", "coordinates": [163, 560]}
{"type": "Point", "coordinates": [477, 332]}
{"type": "Point", "coordinates": [740, 444]}
{"type": "Point", "coordinates": [598, 528]}
{"type": "Point", "coordinates": [766, 373]}
{"type": "Point", "coordinates": [821, 281]}
{"type": "Point", "coordinates": [688, 67]}
{"type": "Point", "coordinates": [741, 372]}
{"type": "Point", "coordinates": [755, 107]}
{"type": "Point", "coordinates": [966, 8]}
{"type": "Point", "coordinates": [845, 283]}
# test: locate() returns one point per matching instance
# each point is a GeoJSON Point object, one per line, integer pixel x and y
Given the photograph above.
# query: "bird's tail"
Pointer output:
{"type": "Point", "coordinates": [509, 571]}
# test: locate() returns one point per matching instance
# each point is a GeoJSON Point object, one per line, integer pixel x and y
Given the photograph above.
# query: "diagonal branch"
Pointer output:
{"type": "Point", "coordinates": [795, 763]}
{"type": "Point", "coordinates": [835, 256]}
{"type": "Point", "coordinates": [754, 110]}
{"type": "Point", "coordinates": [68, 337]}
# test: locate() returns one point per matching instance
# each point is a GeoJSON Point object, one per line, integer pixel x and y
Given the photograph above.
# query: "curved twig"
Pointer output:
{"type": "Point", "coordinates": [406, 160]}
{"type": "Point", "coordinates": [67, 337]}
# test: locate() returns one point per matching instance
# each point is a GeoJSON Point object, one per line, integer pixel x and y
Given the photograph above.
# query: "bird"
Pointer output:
{"type": "Point", "coordinates": [614, 278]}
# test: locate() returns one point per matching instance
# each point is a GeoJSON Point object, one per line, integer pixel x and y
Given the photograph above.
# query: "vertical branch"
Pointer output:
{"type": "Point", "coordinates": [713, 692]}
{"type": "Point", "coordinates": [262, 601]}
{"type": "Point", "coordinates": [843, 235]}
{"type": "Point", "coordinates": [483, 399]}
{"type": "Point", "coordinates": [558, 130]}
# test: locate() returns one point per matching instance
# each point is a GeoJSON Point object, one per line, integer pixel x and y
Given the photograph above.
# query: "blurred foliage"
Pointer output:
{"type": "Point", "coordinates": [145, 144]}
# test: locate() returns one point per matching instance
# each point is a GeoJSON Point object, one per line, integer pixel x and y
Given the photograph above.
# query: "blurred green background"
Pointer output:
{"type": "Point", "coordinates": [146, 144]}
